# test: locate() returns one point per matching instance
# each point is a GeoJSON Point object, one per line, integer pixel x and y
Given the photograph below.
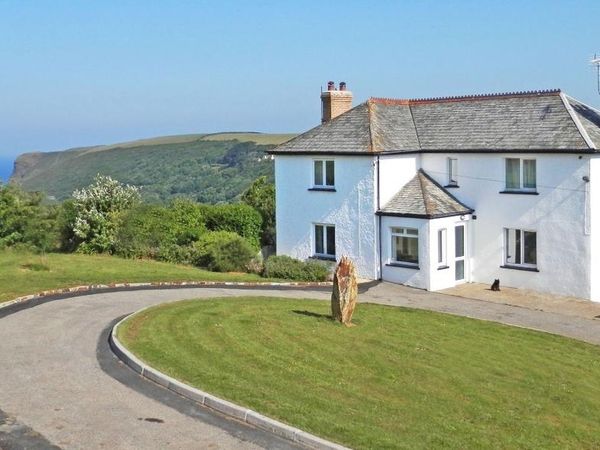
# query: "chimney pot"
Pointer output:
{"type": "Point", "coordinates": [334, 102]}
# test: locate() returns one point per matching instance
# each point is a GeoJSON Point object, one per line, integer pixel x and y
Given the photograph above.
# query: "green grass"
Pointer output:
{"type": "Point", "coordinates": [26, 273]}
{"type": "Point", "coordinates": [401, 378]}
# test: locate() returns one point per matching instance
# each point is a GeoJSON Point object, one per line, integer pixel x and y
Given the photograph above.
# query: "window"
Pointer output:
{"type": "Point", "coordinates": [405, 245]}
{"type": "Point", "coordinates": [459, 252]}
{"type": "Point", "coordinates": [452, 172]}
{"type": "Point", "coordinates": [325, 241]}
{"type": "Point", "coordinates": [441, 248]}
{"type": "Point", "coordinates": [520, 248]}
{"type": "Point", "coordinates": [324, 173]}
{"type": "Point", "coordinates": [520, 174]}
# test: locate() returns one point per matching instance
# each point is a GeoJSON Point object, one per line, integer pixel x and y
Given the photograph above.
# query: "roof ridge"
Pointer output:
{"type": "Point", "coordinates": [370, 122]}
{"type": "Point", "coordinates": [412, 117]}
{"type": "Point", "coordinates": [582, 131]}
{"type": "Point", "coordinates": [419, 174]}
{"type": "Point", "coordinates": [448, 193]}
{"type": "Point", "coordinates": [581, 103]}
{"type": "Point", "coordinates": [459, 98]}
{"type": "Point", "coordinates": [389, 101]}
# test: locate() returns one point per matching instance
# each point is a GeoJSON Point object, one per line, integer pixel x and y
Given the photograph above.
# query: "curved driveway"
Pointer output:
{"type": "Point", "coordinates": [52, 380]}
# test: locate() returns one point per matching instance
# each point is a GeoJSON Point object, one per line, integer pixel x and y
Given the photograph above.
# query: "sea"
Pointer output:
{"type": "Point", "coordinates": [6, 167]}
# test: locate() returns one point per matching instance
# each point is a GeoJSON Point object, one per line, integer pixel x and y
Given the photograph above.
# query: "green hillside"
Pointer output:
{"type": "Point", "coordinates": [208, 168]}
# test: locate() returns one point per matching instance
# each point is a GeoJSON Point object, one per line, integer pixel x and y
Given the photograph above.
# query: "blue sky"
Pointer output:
{"type": "Point", "coordinates": [78, 73]}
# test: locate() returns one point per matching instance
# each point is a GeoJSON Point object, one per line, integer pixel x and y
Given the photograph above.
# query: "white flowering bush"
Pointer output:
{"type": "Point", "coordinates": [98, 209]}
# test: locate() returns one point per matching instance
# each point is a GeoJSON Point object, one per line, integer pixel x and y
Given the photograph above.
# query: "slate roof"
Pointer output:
{"type": "Point", "coordinates": [524, 121]}
{"type": "Point", "coordinates": [422, 197]}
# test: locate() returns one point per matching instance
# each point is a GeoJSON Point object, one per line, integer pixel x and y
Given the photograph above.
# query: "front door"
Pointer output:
{"type": "Point", "coordinates": [459, 252]}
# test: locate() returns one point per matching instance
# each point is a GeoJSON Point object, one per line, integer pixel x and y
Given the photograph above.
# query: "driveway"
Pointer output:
{"type": "Point", "coordinates": [59, 385]}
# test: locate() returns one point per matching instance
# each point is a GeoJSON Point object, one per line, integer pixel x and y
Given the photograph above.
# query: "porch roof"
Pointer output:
{"type": "Point", "coordinates": [423, 197]}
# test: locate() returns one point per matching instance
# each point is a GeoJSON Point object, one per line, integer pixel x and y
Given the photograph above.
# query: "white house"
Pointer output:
{"type": "Point", "coordinates": [435, 192]}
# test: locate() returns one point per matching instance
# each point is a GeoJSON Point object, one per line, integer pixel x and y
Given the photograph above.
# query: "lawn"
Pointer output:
{"type": "Point", "coordinates": [400, 378]}
{"type": "Point", "coordinates": [26, 273]}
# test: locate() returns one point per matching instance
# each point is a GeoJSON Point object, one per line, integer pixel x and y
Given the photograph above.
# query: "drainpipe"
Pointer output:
{"type": "Point", "coordinates": [379, 222]}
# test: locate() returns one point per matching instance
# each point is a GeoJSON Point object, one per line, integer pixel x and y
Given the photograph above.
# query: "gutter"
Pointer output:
{"type": "Point", "coordinates": [575, 151]}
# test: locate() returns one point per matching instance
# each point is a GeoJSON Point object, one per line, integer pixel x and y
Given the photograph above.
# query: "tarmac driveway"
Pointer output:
{"type": "Point", "coordinates": [51, 382]}
{"type": "Point", "coordinates": [59, 385]}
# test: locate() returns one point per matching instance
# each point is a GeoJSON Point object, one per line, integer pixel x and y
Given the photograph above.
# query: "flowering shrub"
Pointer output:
{"type": "Point", "coordinates": [97, 211]}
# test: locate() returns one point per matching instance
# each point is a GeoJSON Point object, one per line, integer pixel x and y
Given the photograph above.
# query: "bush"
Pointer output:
{"type": "Point", "coordinates": [222, 251]}
{"type": "Point", "coordinates": [261, 196]}
{"type": "Point", "coordinates": [187, 221]}
{"type": "Point", "coordinates": [25, 222]}
{"type": "Point", "coordinates": [142, 231]}
{"type": "Point", "coordinates": [293, 269]}
{"type": "Point", "coordinates": [98, 210]}
{"type": "Point", "coordinates": [158, 232]}
{"type": "Point", "coordinates": [237, 218]}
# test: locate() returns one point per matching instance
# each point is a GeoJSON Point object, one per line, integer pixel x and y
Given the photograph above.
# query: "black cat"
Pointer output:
{"type": "Point", "coordinates": [496, 285]}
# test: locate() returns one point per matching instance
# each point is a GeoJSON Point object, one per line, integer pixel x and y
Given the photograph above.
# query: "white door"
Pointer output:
{"type": "Point", "coordinates": [459, 252]}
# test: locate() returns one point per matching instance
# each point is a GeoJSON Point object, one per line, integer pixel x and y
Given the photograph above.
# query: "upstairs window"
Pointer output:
{"type": "Point", "coordinates": [325, 241]}
{"type": "Point", "coordinates": [405, 245]}
{"type": "Point", "coordinates": [324, 173]}
{"type": "Point", "coordinates": [520, 248]}
{"type": "Point", "coordinates": [520, 174]}
{"type": "Point", "coordinates": [452, 172]}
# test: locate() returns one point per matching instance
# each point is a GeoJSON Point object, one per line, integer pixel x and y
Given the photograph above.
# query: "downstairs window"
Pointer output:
{"type": "Point", "coordinates": [520, 248]}
{"type": "Point", "coordinates": [405, 245]}
{"type": "Point", "coordinates": [325, 241]}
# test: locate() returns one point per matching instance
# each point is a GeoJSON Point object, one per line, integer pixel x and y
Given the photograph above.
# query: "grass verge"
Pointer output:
{"type": "Point", "coordinates": [25, 273]}
{"type": "Point", "coordinates": [401, 378]}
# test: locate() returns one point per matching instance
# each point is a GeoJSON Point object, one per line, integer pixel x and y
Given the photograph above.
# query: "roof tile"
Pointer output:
{"type": "Point", "coordinates": [423, 197]}
{"type": "Point", "coordinates": [537, 121]}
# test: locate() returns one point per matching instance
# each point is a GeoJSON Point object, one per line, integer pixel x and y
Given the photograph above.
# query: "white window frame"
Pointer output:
{"type": "Point", "coordinates": [325, 253]}
{"type": "Point", "coordinates": [442, 248]}
{"type": "Point", "coordinates": [521, 232]}
{"type": "Point", "coordinates": [403, 232]}
{"type": "Point", "coordinates": [452, 174]}
{"type": "Point", "coordinates": [521, 186]}
{"type": "Point", "coordinates": [322, 183]}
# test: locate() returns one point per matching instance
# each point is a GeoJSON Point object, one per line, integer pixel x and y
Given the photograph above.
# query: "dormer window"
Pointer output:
{"type": "Point", "coordinates": [324, 174]}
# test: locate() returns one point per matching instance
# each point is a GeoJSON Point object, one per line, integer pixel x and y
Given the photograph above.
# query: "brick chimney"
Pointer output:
{"type": "Point", "coordinates": [335, 102]}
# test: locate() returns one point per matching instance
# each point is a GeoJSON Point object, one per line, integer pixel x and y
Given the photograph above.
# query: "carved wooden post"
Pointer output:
{"type": "Point", "coordinates": [345, 291]}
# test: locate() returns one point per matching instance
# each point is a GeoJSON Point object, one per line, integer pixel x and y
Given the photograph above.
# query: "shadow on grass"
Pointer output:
{"type": "Point", "coordinates": [313, 314]}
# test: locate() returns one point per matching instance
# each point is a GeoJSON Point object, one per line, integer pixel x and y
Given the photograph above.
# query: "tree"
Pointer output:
{"type": "Point", "coordinates": [24, 220]}
{"type": "Point", "coordinates": [261, 196]}
{"type": "Point", "coordinates": [97, 212]}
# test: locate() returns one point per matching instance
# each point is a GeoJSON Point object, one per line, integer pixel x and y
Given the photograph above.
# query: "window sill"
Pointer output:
{"type": "Point", "coordinates": [323, 258]}
{"type": "Point", "coordinates": [322, 189]}
{"type": "Point", "coordinates": [451, 186]}
{"type": "Point", "coordinates": [526, 269]}
{"type": "Point", "coordinates": [443, 267]}
{"type": "Point", "coordinates": [520, 192]}
{"type": "Point", "coordinates": [405, 266]}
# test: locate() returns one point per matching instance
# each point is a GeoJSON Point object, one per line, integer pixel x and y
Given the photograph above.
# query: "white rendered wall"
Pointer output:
{"type": "Point", "coordinates": [446, 278]}
{"type": "Point", "coordinates": [428, 275]}
{"type": "Point", "coordinates": [395, 171]}
{"type": "Point", "coordinates": [351, 209]}
{"type": "Point", "coordinates": [594, 223]}
{"type": "Point", "coordinates": [418, 278]}
{"type": "Point", "coordinates": [557, 214]}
